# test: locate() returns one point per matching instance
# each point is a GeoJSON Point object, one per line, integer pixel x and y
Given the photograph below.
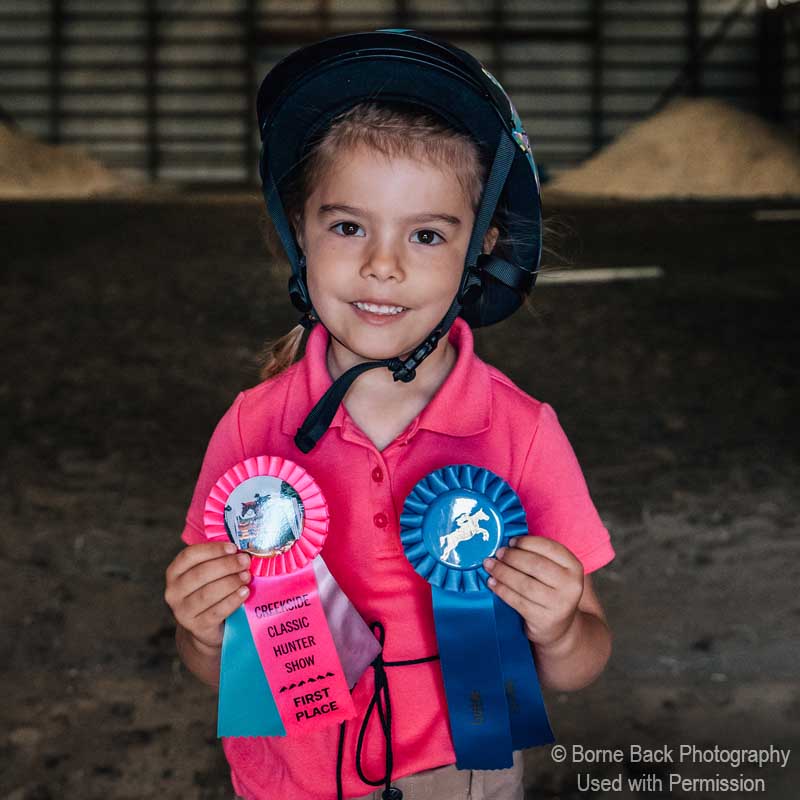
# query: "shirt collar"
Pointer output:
{"type": "Point", "coordinates": [461, 406]}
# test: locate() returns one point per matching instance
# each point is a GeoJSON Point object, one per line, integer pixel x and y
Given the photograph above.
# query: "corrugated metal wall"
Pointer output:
{"type": "Point", "coordinates": [791, 72]}
{"type": "Point", "coordinates": [167, 87]}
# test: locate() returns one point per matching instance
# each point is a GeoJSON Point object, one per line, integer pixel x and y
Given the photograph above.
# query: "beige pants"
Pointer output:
{"type": "Point", "coordinates": [449, 783]}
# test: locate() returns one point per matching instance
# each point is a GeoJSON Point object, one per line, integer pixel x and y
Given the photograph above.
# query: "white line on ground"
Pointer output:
{"type": "Point", "coordinates": [776, 214]}
{"type": "Point", "coordinates": [600, 274]}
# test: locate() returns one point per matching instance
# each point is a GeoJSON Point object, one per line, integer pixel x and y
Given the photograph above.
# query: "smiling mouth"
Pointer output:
{"type": "Point", "coordinates": [374, 308]}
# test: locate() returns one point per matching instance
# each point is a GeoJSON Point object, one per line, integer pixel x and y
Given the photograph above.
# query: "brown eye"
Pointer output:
{"type": "Point", "coordinates": [347, 228]}
{"type": "Point", "coordinates": [427, 237]}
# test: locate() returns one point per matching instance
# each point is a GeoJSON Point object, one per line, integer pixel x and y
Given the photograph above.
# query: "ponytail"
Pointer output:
{"type": "Point", "coordinates": [280, 354]}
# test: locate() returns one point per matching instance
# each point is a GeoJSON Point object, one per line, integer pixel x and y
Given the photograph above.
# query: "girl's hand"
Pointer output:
{"type": "Point", "coordinates": [205, 585]}
{"type": "Point", "coordinates": [543, 581]}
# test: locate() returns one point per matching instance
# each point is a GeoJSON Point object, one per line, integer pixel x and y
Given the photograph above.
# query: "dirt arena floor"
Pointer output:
{"type": "Point", "coordinates": [128, 328]}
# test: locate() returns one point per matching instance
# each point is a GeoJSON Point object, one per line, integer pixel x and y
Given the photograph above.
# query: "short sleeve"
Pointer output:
{"type": "Point", "coordinates": [224, 450]}
{"type": "Point", "coordinates": [556, 498]}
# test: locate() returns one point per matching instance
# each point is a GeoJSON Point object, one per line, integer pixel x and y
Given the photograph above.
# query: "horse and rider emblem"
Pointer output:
{"type": "Point", "coordinates": [264, 516]}
{"type": "Point", "coordinates": [462, 529]}
{"type": "Point", "coordinates": [467, 526]}
{"type": "Point", "coordinates": [453, 519]}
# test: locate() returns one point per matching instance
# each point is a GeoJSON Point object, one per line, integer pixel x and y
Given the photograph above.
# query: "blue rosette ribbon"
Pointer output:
{"type": "Point", "coordinates": [452, 520]}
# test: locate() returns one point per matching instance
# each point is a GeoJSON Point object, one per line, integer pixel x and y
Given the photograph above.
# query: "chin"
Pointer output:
{"type": "Point", "coordinates": [379, 344]}
{"type": "Point", "coordinates": [381, 341]}
{"type": "Point", "coordinates": [370, 347]}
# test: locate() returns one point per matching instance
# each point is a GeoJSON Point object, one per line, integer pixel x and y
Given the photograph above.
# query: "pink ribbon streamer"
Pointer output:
{"type": "Point", "coordinates": [297, 652]}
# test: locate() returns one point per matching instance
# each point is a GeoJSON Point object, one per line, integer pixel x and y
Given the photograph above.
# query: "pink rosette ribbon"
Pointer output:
{"type": "Point", "coordinates": [273, 509]}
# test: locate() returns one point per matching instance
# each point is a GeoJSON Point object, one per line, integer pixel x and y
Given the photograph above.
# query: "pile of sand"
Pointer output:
{"type": "Point", "coordinates": [29, 168]}
{"type": "Point", "coordinates": [693, 148]}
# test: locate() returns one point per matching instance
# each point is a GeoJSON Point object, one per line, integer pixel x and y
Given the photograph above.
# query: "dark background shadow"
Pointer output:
{"type": "Point", "coordinates": [128, 328]}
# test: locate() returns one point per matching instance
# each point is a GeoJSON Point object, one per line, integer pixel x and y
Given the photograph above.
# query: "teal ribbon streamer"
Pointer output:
{"type": "Point", "coordinates": [246, 704]}
{"type": "Point", "coordinates": [466, 632]}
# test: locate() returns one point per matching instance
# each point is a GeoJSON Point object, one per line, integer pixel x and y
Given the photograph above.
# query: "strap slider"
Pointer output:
{"type": "Point", "coordinates": [403, 373]}
{"type": "Point", "coordinates": [308, 320]}
{"type": "Point", "coordinates": [406, 371]}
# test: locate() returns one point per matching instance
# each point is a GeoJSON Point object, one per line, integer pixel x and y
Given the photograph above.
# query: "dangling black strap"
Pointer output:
{"type": "Point", "coordinates": [321, 416]}
{"type": "Point", "coordinates": [380, 701]}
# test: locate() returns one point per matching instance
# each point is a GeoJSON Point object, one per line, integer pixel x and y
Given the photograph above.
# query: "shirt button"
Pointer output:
{"type": "Point", "coordinates": [377, 474]}
{"type": "Point", "coordinates": [380, 520]}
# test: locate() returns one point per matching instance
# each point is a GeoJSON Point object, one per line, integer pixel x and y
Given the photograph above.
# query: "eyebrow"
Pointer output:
{"type": "Point", "coordinates": [331, 208]}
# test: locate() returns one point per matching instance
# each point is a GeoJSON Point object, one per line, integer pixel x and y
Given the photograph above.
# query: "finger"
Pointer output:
{"type": "Point", "coordinates": [195, 554]}
{"type": "Point", "coordinates": [534, 564]}
{"type": "Point", "coordinates": [549, 548]}
{"type": "Point", "coordinates": [532, 589]}
{"type": "Point", "coordinates": [209, 571]}
{"type": "Point", "coordinates": [220, 611]}
{"type": "Point", "coordinates": [206, 572]}
{"type": "Point", "coordinates": [523, 605]}
{"type": "Point", "coordinates": [209, 595]}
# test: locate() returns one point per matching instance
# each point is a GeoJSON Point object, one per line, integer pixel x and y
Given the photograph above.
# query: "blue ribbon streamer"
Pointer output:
{"type": "Point", "coordinates": [246, 704]}
{"type": "Point", "coordinates": [526, 711]}
{"type": "Point", "coordinates": [472, 672]}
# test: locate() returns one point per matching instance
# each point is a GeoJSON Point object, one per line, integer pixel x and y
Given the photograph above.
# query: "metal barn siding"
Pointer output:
{"type": "Point", "coordinates": [166, 88]}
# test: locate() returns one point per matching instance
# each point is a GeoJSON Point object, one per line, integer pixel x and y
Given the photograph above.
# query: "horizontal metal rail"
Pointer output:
{"type": "Point", "coordinates": [51, 61]}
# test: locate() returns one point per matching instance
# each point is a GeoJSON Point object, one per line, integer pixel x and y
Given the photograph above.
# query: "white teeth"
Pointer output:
{"type": "Point", "coordinates": [374, 309]}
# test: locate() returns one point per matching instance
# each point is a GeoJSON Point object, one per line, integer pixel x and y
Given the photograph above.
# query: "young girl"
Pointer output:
{"type": "Point", "coordinates": [401, 183]}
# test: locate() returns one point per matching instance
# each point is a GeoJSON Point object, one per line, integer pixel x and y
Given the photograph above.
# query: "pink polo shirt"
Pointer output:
{"type": "Point", "coordinates": [478, 417]}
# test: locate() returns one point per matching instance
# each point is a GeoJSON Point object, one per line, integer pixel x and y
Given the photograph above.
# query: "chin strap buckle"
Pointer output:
{"type": "Point", "coordinates": [308, 320]}
{"type": "Point", "coordinates": [406, 371]}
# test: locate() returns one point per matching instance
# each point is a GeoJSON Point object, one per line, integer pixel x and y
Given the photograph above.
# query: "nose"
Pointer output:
{"type": "Point", "coordinates": [383, 262]}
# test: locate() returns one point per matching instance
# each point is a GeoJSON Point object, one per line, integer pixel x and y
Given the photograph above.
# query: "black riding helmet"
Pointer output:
{"type": "Point", "coordinates": [300, 97]}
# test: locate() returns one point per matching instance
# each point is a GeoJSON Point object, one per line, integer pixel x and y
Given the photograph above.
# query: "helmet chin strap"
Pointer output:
{"type": "Point", "coordinates": [405, 370]}
{"type": "Point", "coordinates": [320, 417]}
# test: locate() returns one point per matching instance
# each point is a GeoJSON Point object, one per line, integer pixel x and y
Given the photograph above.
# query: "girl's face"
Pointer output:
{"type": "Point", "coordinates": [385, 241]}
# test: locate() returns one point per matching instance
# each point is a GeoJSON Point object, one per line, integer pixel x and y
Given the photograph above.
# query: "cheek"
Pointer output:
{"type": "Point", "coordinates": [318, 282]}
{"type": "Point", "coordinates": [444, 276]}
{"type": "Point", "coordinates": [326, 277]}
{"type": "Point", "coordinates": [328, 255]}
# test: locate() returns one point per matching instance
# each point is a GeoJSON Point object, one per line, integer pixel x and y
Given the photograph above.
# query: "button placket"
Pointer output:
{"type": "Point", "coordinates": [383, 507]}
